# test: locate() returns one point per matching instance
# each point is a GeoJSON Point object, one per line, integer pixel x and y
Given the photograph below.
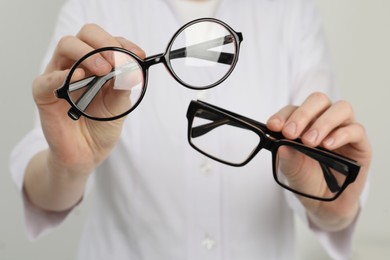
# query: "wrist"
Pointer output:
{"type": "Point", "coordinates": [50, 186]}
{"type": "Point", "coordinates": [332, 217]}
{"type": "Point", "coordinates": [71, 169]}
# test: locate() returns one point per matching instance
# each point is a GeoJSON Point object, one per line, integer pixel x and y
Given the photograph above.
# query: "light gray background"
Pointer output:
{"type": "Point", "coordinates": [359, 37]}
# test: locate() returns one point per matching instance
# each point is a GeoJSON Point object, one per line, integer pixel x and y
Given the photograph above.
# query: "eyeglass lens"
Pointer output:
{"type": "Point", "coordinates": [206, 132]}
{"type": "Point", "coordinates": [209, 52]}
{"type": "Point", "coordinates": [200, 55]}
{"type": "Point", "coordinates": [320, 179]}
{"type": "Point", "coordinates": [110, 94]}
{"type": "Point", "coordinates": [232, 143]}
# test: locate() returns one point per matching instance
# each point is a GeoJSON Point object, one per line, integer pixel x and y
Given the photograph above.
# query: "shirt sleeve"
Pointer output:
{"type": "Point", "coordinates": [312, 72]}
{"type": "Point", "coordinates": [337, 244]}
{"type": "Point", "coordinates": [39, 222]}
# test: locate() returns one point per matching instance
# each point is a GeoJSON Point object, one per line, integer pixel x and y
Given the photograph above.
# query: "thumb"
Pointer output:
{"type": "Point", "coordinates": [45, 84]}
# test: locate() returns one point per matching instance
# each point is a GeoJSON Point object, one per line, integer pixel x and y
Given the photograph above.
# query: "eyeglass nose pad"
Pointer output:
{"type": "Point", "coordinates": [74, 114]}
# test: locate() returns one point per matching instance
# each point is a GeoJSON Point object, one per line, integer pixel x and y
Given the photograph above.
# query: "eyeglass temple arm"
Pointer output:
{"type": "Point", "coordinates": [325, 162]}
{"type": "Point", "coordinates": [94, 84]}
{"type": "Point", "coordinates": [201, 51]}
{"type": "Point", "coordinates": [226, 58]}
{"type": "Point", "coordinates": [205, 128]}
{"type": "Point", "coordinates": [85, 99]}
{"type": "Point", "coordinates": [330, 179]}
{"type": "Point", "coordinates": [277, 135]}
{"type": "Point", "coordinates": [195, 50]}
{"type": "Point", "coordinates": [219, 120]}
{"type": "Point", "coordinates": [178, 53]}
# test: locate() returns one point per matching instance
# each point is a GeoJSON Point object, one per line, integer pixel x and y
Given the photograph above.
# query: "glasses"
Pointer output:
{"type": "Point", "coordinates": [326, 173]}
{"type": "Point", "coordinates": [200, 55]}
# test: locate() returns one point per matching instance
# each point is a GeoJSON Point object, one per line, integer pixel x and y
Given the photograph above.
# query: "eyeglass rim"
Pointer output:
{"type": "Point", "coordinates": [353, 167]}
{"type": "Point", "coordinates": [64, 92]}
{"type": "Point", "coordinates": [75, 112]}
{"type": "Point", "coordinates": [238, 38]}
{"type": "Point", "coordinates": [256, 127]}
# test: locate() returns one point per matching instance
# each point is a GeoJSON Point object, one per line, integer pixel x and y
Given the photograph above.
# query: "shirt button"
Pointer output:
{"type": "Point", "coordinates": [206, 167]}
{"type": "Point", "coordinates": [203, 94]}
{"type": "Point", "coordinates": [208, 242]}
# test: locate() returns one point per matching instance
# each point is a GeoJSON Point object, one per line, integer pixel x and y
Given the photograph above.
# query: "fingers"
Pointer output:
{"type": "Point", "coordinates": [44, 85]}
{"type": "Point", "coordinates": [96, 37]}
{"type": "Point", "coordinates": [128, 45]}
{"type": "Point", "coordinates": [353, 133]}
{"type": "Point", "coordinates": [70, 49]}
{"type": "Point", "coordinates": [90, 37]}
{"type": "Point", "coordinates": [335, 117]}
{"type": "Point", "coordinates": [317, 121]}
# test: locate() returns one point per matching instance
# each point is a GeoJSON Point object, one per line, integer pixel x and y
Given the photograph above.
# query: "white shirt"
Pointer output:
{"type": "Point", "coordinates": [156, 197]}
{"type": "Point", "coordinates": [189, 10]}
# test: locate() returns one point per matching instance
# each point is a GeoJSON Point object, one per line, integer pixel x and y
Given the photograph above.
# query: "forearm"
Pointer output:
{"type": "Point", "coordinates": [52, 187]}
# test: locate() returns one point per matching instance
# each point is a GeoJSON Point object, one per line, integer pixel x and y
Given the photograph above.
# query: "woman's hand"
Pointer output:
{"type": "Point", "coordinates": [319, 122]}
{"type": "Point", "coordinates": [55, 179]}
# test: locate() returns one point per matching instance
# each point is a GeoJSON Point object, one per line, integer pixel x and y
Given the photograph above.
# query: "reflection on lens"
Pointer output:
{"type": "Point", "coordinates": [109, 94]}
{"type": "Point", "coordinates": [321, 178]}
{"type": "Point", "coordinates": [203, 54]}
{"type": "Point", "coordinates": [229, 136]}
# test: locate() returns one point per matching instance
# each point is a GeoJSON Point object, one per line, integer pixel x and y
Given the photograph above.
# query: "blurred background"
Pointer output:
{"type": "Point", "coordinates": [358, 33]}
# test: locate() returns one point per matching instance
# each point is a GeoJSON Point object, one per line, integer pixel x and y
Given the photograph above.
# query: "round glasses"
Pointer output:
{"type": "Point", "coordinates": [200, 55]}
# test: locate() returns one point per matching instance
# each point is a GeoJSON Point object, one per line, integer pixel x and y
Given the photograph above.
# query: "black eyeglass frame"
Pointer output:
{"type": "Point", "coordinates": [271, 141]}
{"type": "Point", "coordinates": [74, 112]}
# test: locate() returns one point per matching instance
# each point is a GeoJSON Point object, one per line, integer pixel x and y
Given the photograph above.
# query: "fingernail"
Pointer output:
{"type": "Point", "coordinates": [291, 128]}
{"type": "Point", "coordinates": [311, 136]}
{"type": "Point", "coordinates": [329, 141]}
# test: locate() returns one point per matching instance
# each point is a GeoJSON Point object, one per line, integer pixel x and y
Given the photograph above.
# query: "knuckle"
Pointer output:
{"type": "Point", "coordinates": [301, 115]}
{"type": "Point", "coordinates": [51, 78]}
{"type": "Point", "coordinates": [320, 97]}
{"type": "Point", "coordinates": [37, 81]}
{"type": "Point", "coordinates": [43, 85]}
{"type": "Point", "coordinates": [64, 41]}
{"type": "Point", "coordinates": [87, 27]}
{"type": "Point", "coordinates": [360, 129]}
{"type": "Point", "coordinates": [87, 30]}
{"type": "Point", "coordinates": [286, 111]}
{"type": "Point", "coordinates": [93, 34]}
{"type": "Point", "coordinates": [120, 38]}
{"type": "Point", "coordinates": [345, 106]}
{"type": "Point", "coordinates": [290, 107]}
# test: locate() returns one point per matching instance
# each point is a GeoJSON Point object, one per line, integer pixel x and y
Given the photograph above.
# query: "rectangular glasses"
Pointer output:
{"type": "Point", "coordinates": [326, 173]}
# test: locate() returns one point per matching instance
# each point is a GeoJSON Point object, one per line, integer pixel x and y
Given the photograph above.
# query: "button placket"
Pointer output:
{"type": "Point", "coordinates": [206, 167]}
{"type": "Point", "coordinates": [204, 206]}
